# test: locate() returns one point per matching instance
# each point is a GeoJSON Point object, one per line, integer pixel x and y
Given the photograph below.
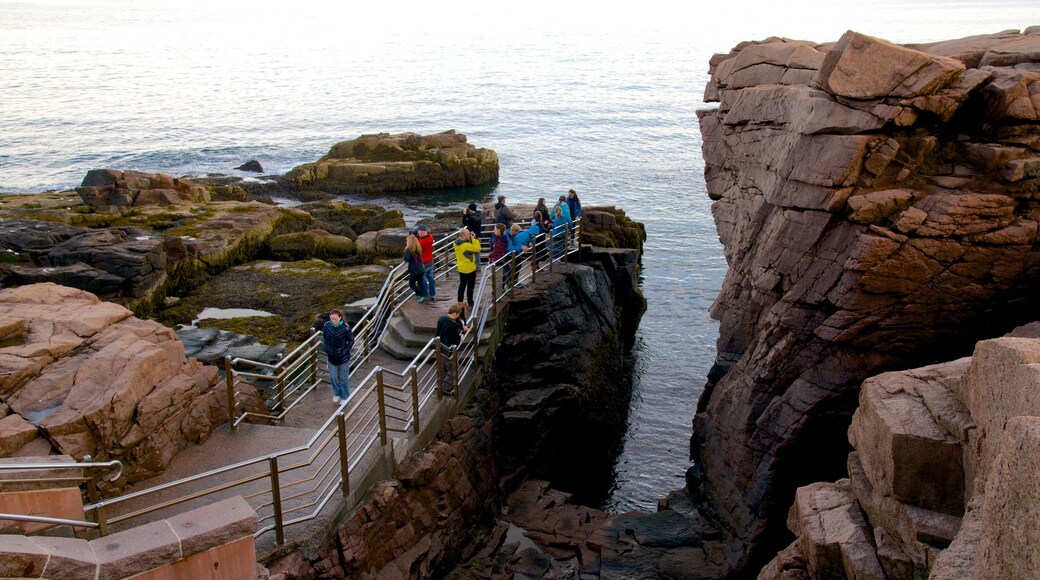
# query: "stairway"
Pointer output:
{"type": "Point", "coordinates": [414, 325]}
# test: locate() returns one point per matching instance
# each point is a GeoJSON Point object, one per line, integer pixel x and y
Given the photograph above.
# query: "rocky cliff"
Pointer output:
{"type": "Point", "coordinates": [879, 208]}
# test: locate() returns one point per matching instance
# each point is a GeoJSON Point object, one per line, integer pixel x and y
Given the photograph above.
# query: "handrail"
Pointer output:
{"type": "Point", "coordinates": [368, 431]}
{"type": "Point", "coordinates": [48, 520]}
{"type": "Point", "coordinates": [115, 463]}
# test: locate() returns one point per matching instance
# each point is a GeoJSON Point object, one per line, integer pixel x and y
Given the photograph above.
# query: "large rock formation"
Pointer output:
{"type": "Point", "coordinates": [385, 162]}
{"type": "Point", "coordinates": [942, 482]}
{"type": "Point", "coordinates": [94, 380]}
{"type": "Point", "coordinates": [109, 190]}
{"type": "Point", "coordinates": [878, 206]}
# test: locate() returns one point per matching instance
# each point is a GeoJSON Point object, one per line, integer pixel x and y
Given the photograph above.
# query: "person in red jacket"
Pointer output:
{"type": "Point", "coordinates": [426, 242]}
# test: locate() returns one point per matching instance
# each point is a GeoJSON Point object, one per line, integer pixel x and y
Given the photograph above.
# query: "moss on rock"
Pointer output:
{"type": "Point", "coordinates": [310, 244]}
{"type": "Point", "coordinates": [295, 292]}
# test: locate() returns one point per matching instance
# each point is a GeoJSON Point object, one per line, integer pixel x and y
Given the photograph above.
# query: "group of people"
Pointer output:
{"type": "Point", "coordinates": [509, 236]}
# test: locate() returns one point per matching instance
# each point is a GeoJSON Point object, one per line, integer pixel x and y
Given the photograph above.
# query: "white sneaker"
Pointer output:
{"type": "Point", "coordinates": [335, 398]}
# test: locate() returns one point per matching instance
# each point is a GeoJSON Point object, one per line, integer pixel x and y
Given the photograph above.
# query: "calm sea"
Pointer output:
{"type": "Point", "coordinates": [570, 95]}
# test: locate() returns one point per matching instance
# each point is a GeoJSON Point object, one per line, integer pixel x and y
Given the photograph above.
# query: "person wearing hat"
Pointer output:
{"type": "Point", "coordinates": [426, 243]}
{"type": "Point", "coordinates": [472, 219]}
{"type": "Point", "coordinates": [467, 252]}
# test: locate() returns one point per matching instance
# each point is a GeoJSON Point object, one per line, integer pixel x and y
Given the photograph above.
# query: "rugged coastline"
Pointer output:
{"type": "Point", "coordinates": [878, 208]}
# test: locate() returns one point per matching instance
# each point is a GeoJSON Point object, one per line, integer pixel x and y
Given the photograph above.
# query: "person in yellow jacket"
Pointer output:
{"type": "Point", "coordinates": [467, 254]}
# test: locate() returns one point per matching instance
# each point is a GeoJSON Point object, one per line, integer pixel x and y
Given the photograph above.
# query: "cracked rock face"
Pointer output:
{"type": "Point", "coordinates": [94, 380]}
{"type": "Point", "coordinates": [879, 208]}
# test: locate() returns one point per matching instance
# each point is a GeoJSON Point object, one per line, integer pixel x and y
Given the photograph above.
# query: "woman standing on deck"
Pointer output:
{"type": "Point", "coordinates": [416, 273]}
{"type": "Point", "coordinates": [338, 340]}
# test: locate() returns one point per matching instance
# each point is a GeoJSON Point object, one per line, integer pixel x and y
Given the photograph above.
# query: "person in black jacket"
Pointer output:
{"type": "Point", "coordinates": [472, 219]}
{"type": "Point", "coordinates": [338, 340]}
{"type": "Point", "coordinates": [450, 329]}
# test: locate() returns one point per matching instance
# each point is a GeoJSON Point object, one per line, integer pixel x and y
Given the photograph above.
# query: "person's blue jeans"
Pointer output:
{"type": "Point", "coordinates": [339, 376]}
{"type": "Point", "coordinates": [431, 288]}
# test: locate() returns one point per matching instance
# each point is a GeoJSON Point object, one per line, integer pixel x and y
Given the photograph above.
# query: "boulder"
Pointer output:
{"type": "Point", "coordinates": [109, 190]}
{"type": "Point", "coordinates": [15, 433]}
{"type": "Point", "coordinates": [252, 165]}
{"type": "Point", "coordinates": [100, 382]}
{"type": "Point", "coordinates": [863, 67]}
{"type": "Point", "coordinates": [400, 162]}
{"type": "Point", "coordinates": [311, 244]}
{"type": "Point", "coordinates": [832, 534]}
{"type": "Point", "coordinates": [388, 242]}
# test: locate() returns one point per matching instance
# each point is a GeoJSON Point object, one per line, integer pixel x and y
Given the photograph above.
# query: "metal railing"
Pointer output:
{"type": "Point", "coordinates": [88, 475]}
{"type": "Point", "coordinates": [295, 484]}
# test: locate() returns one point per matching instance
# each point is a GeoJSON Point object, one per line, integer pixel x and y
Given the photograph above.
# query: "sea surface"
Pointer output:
{"type": "Point", "coordinates": [570, 95]}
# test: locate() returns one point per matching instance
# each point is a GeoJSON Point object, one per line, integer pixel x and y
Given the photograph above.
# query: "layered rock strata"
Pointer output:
{"type": "Point", "coordinates": [400, 162]}
{"type": "Point", "coordinates": [93, 380]}
{"type": "Point", "coordinates": [110, 190]}
{"type": "Point", "coordinates": [942, 482]}
{"type": "Point", "coordinates": [878, 207]}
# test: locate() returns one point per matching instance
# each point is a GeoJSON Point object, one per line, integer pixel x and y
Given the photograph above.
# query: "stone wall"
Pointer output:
{"type": "Point", "coordinates": [942, 482]}
{"type": "Point", "coordinates": [878, 209]}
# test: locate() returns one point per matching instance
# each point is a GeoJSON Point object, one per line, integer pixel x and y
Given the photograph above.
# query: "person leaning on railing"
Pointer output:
{"type": "Point", "coordinates": [450, 329]}
{"type": "Point", "coordinates": [519, 241]}
{"type": "Point", "coordinates": [499, 244]}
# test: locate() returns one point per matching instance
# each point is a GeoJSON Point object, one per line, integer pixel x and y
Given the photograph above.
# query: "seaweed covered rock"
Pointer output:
{"type": "Point", "coordinates": [97, 381]}
{"type": "Point", "coordinates": [384, 162]}
{"type": "Point", "coordinates": [311, 244]}
{"type": "Point", "coordinates": [609, 227]}
{"type": "Point", "coordinates": [343, 219]}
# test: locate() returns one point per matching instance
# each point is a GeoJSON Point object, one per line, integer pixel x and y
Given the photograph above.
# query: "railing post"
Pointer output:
{"type": "Point", "coordinates": [566, 246]}
{"type": "Point", "coordinates": [552, 251]}
{"type": "Point", "coordinates": [534, 264]}
{"type": "Point", "coordinates": [512, 273]}
{"type": "Point", "coordinates": [229, 379]}
{"type": "Point", "coordinates": [415, 397]}
{"type": "Point", "coordinates": [455, 367]}
{"type": "Point", "coordinates": [344, 460]}
{"type": "Point", "coordinates": [102, 521]}
{"type": "Point", "coordinates": [382, 405]}
{"type": "Point", "coordinates": [276, 499]}
{"type": "Point", "coordinates": [494, 291]}
{"type": "Point", "coordinates": [440, 367]}
{"type": "Point", "coordinates": [314, 364]}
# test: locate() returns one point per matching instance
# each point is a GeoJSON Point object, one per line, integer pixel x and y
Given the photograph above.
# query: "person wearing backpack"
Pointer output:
{"type": "Point", "coordinates": [504, 214]}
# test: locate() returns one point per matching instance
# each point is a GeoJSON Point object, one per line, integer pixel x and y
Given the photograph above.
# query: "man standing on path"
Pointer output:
{"type": "Point", "coordinates": [338, 339]}
{"type": "Point", "coordinates": [426, 243]}
{"type": "Point", "coordinates": [503, 213]}
{"type": "Point", "coordinates": [450, 329]}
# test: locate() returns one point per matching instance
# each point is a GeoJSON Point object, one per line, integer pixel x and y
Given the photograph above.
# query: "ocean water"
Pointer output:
{"type": "Point", "coordinates": [575, 95]}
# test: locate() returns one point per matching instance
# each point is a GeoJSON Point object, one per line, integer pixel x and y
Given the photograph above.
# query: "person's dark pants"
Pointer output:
{"type": "Point", "coordinates": [447, 370]}
{"type": "Point", "coordinates": [466, 284]}
{"type": "Point", "coordinates": [507, 275]}
{"type": "Point", "coordinates": [417, 283]}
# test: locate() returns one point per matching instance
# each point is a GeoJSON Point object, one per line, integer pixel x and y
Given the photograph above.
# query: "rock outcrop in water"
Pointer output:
{"type": "Point", "coordinates": [879, 209]}
{"type": "Point", "coordinates": [942, 482]}
{"type": "Point", "coordinates": [93, 380]}
{"type": "Point", "coordinates": [401, 162]}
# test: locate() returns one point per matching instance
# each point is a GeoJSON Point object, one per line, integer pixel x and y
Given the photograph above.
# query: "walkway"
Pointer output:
{"type": "Point", "coordinates": [307, 462]}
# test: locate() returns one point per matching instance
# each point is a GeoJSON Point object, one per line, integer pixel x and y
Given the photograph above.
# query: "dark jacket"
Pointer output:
{"type": "Point", "coordinates": [450, 331]}
{"type": "Point", "coordinates": [338, 342]}
{"type": "Point", "coordinates": [574, 204]}
{"type": "Point", "coordinates": [505, 214]}
{"type": "Point", "coordinates": [415, 265]}
{"type": "Point", "coordinates": [472, 221]}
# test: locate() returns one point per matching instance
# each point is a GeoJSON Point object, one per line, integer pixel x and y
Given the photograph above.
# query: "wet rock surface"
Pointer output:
{"type": "Point", "coordinates": [878, 208]}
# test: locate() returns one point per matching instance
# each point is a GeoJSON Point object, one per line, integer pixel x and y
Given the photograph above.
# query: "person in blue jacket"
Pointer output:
{"type": "Point", "coordinates": [338, 339]}
{"type": "Point", "coordinates": [522, 240]}
{"type": "Point", "coordinates": [561, 225]}
{"type": "Point", "coordinates": [575, 206]}
{"type": "Point", "coordinates": [561, 204]}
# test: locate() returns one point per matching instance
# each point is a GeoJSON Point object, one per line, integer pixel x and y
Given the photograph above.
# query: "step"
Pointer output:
{"type": "Point", "coordinates": [393, 346]}
{"type": "Point", "coordinates": [406, 335]}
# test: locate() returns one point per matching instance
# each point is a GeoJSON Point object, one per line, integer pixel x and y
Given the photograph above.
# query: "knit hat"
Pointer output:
{"type": "Point", "coordinates": [422, 228]}
{"type": "Point", "coordinates": [473, 207]}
